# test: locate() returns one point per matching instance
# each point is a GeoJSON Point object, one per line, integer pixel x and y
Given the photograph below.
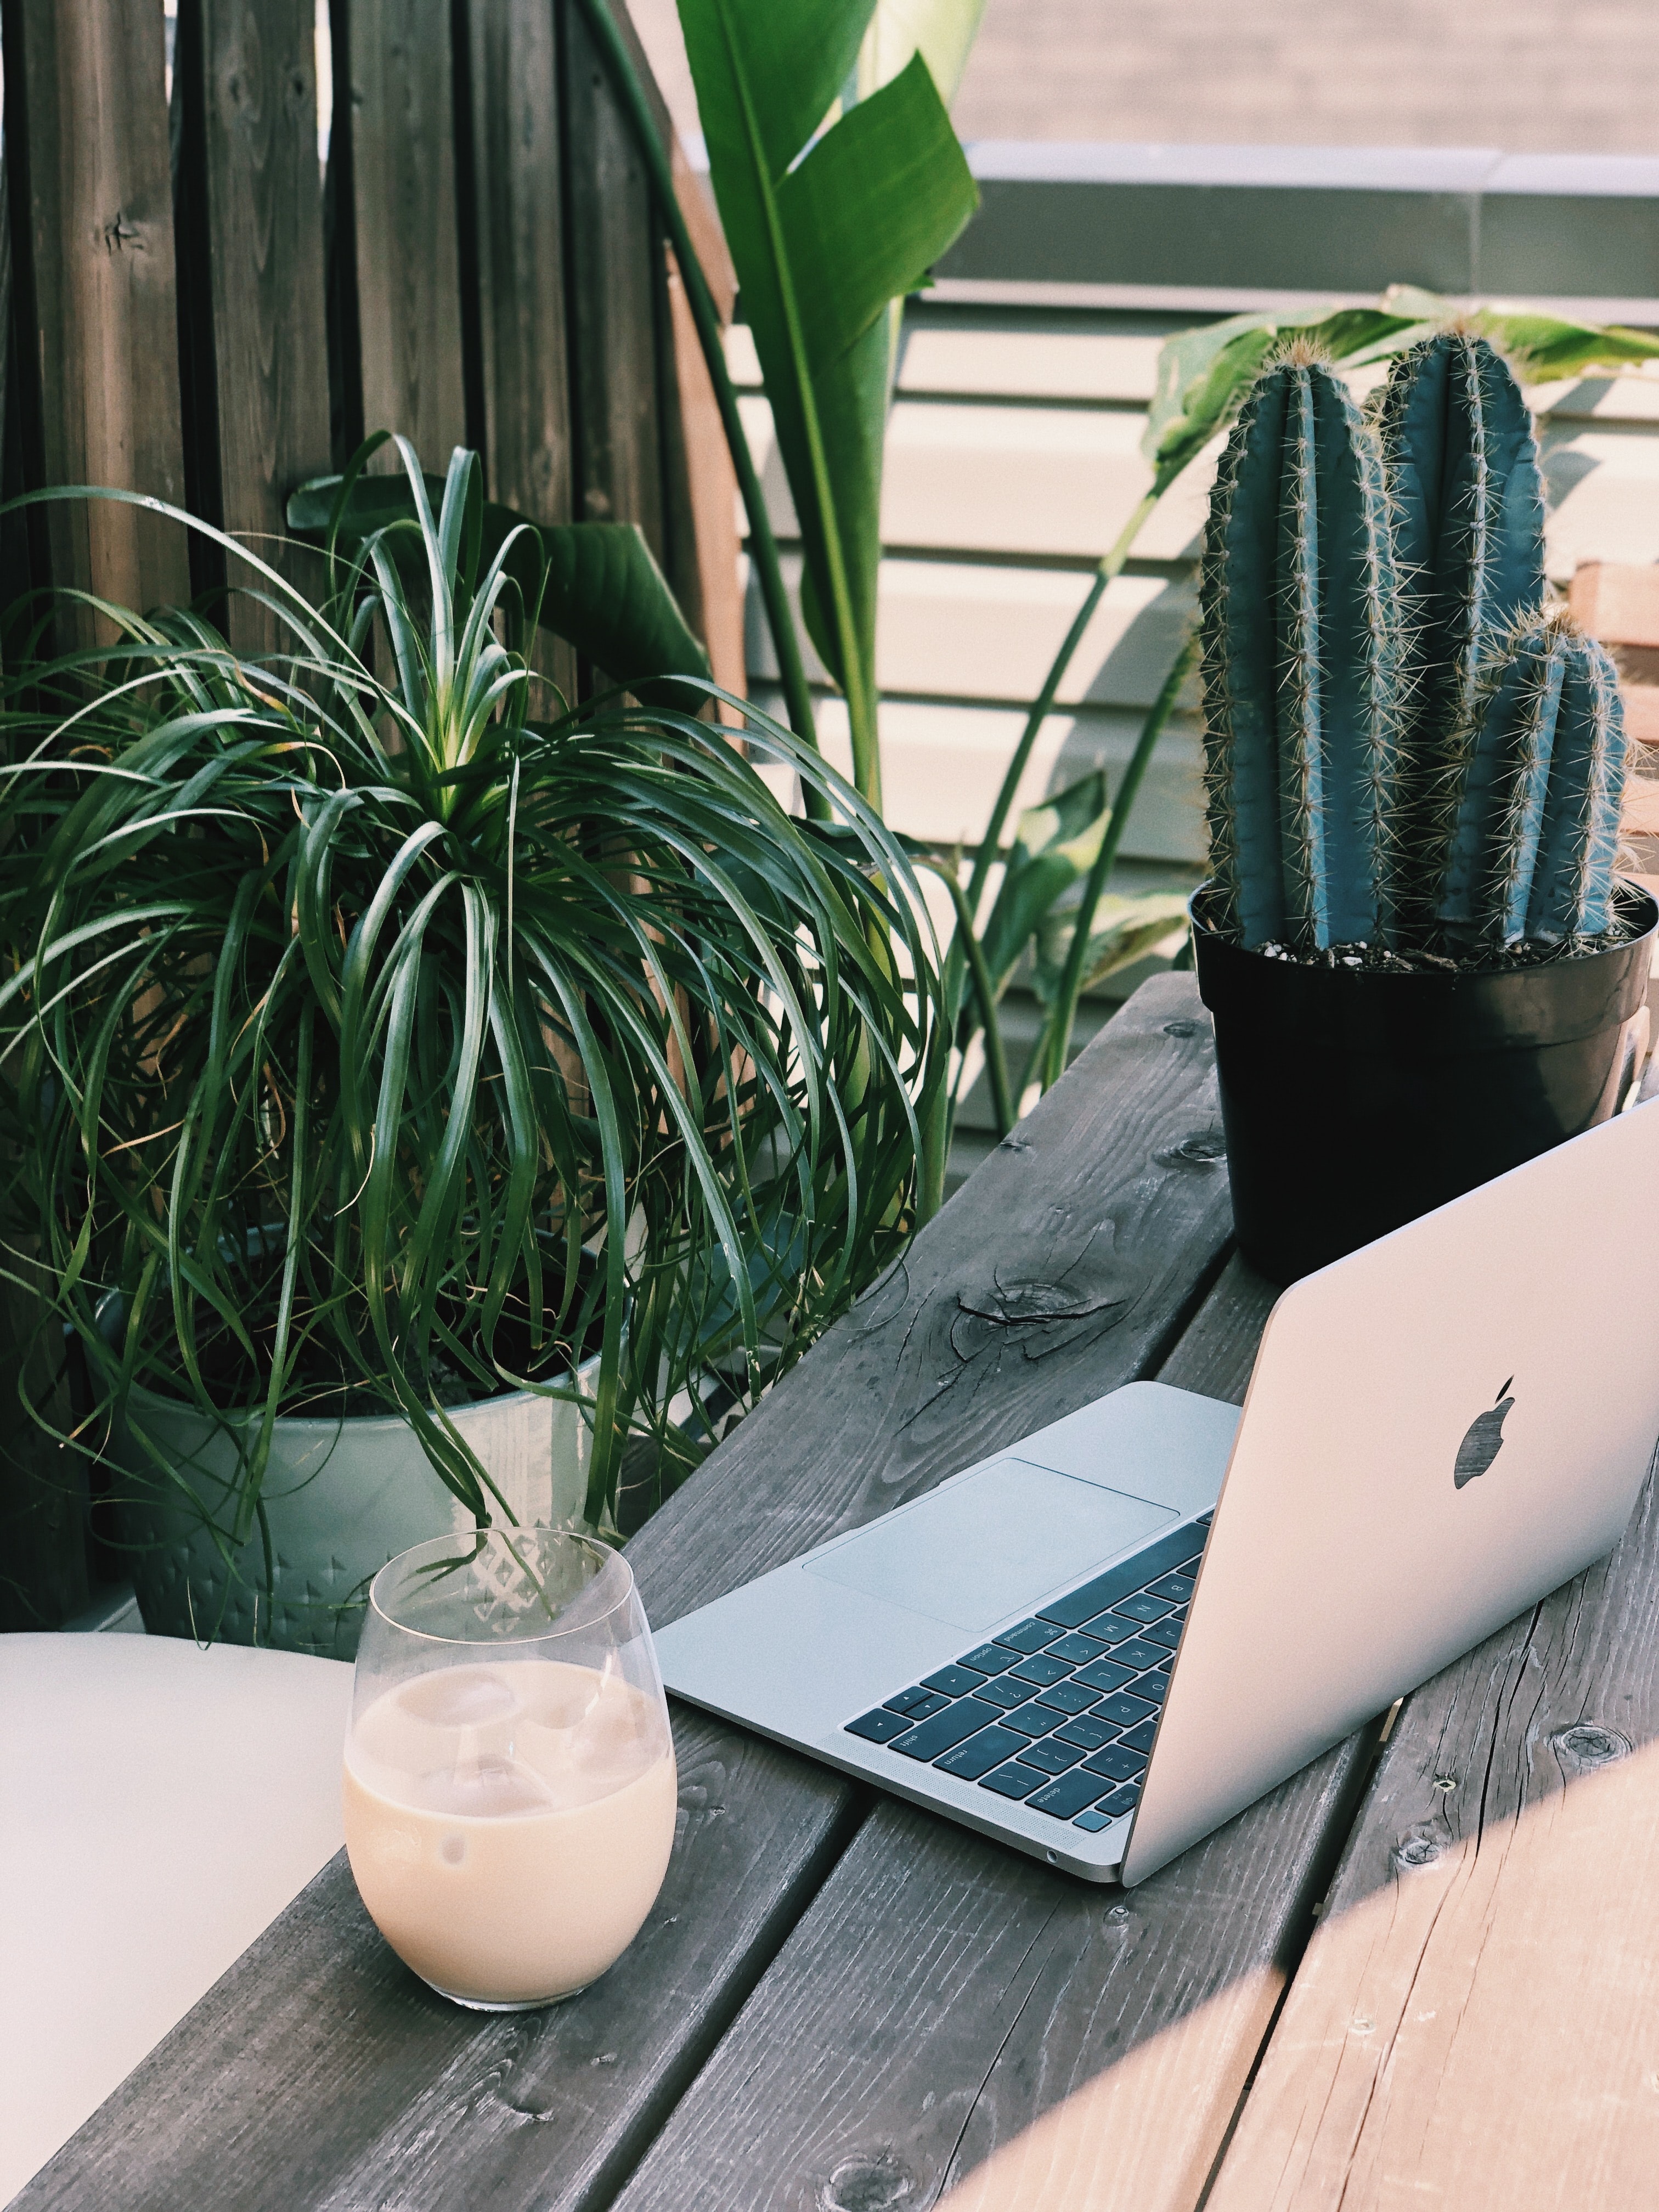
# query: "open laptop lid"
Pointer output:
{"type": "Point", "coordinates": [1440, 1429]}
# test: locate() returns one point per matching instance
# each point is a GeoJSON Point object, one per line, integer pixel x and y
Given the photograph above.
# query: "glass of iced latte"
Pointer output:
{"type": "Point", "coordinates": [509, 1774]}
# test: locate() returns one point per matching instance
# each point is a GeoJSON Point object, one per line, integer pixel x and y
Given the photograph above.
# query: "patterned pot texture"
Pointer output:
{"type": "Point", "coordinates": [341, 1499]}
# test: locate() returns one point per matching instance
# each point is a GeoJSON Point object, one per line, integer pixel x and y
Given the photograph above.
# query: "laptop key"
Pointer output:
{"type": "Point", "coordinates": [1125, 1708]}
{"type": "Point", "coordinates": [1104, 1675]}
{"type": "Point", "coordinates": [902, 1701]}
{"type": "Point", "coordinates": [1177, 1588]}
{"type": "Point", "coordinates": [1115, 1764]}
{"type": "Point", "coordinates": [1033, 1719]}
{"type": "Point", "coordinates": [1138, 1655]}
{"type": "Point", "coordinates": [1140, 1738]}
{"type": "Point", "coordinates": [1039, 1671]}
{"type": "Point", "coordinates": [962, 1719]}
{"type": "Point", "coordinates": [1028, 1635]}
{"type": "Point", "coordinates": [980, 1752]}
{"type": "Point", "coordinates": [1094, 1822]}
{"type": "Point", "coordinates": [1012, 1780]}
{"type": "Point", "coordinates": [1121, 1800]}
{"type": "Point", "coordinates": [1067, 1798]}
{"type": "Point", "coordinates": [1002, 1692]}
{"type": "Point", "coordinates": [1082, 1604]}
{"type": "Point", "coordinates": [952, 1682]}
{"type": "Point", "coordinates": [917, 1704]}
{"type": "Point", "coordinates": [1167, 1631]}
{"type": "Point", "coordinates": [879, 1727]}
{"type": "Point", "coordinates": [1140, 1607]}
{"type": "Point", "coordinates": [1052, 1758]}
{"type": "Point", "coordinates": [1066, 1697]}
{"type": "Point", "coordinates": [1085, 1732]}
{"type": "Point", "coordinates": [988, 1659]}
{"type": "Point", "coordinates": [1078, 1650]}
{"type": "Point", "coordinates": [1155, 1686]}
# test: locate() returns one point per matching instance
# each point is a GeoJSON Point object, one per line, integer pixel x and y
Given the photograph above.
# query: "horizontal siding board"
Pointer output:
{"type": "Point", "coordinates": [957, 630]}
{"type": "Point", "coordinates": [942, 766]}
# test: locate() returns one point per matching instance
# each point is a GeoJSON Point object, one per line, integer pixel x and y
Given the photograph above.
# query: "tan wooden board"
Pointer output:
{"type": "Point", "coordinates": [966, 631]}
{"type": "Point", "coordinates": [1476, 2021]}
{"type": "Point", "coordinates": [942, 766]}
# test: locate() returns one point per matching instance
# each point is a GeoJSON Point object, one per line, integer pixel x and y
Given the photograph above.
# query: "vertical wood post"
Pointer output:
{"type": "Point", "coordinates": [614, 279]}
{"type": "Point", "coordinates": [88, 132]}
{"type": "Point", "coordinates": [399, 107]}
{"type": "Point", "coordinates": [252, 272]}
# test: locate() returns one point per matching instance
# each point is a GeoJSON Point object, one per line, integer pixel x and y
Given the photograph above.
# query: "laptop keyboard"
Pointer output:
{"type": "Point", "coordinates": [1058, 1711]}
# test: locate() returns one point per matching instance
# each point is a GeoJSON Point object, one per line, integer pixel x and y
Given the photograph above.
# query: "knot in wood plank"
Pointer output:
{"type": "Point", "coordinates": [876, 2183]}
{"type": "Point", "coordinates": [1418, 1848]}
{"type": "Point", "coordinates": [1203, 1148]}
{"type": "Point", "coordinates": [1586, 1745]}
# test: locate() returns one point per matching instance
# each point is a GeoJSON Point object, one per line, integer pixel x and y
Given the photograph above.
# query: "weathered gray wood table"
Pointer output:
{"type": "Point", "coordinates": [840, 2004]}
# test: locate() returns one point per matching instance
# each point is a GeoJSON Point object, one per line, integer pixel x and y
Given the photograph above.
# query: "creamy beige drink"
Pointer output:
{"type": "Point", "coordinates": [509, 1824]}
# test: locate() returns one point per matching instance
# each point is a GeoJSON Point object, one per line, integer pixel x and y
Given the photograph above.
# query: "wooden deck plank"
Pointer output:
{"type": "Point", "coordinates": [1476, 2021]}
{"type": "Point", "coordinates": [319, 2073]}
{"type": "Point", "coordinates": [952, 2025]}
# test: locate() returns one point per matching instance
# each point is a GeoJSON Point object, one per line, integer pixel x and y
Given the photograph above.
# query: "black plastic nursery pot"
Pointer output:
{"type": "Point", "coordinates": [1353, 1100]}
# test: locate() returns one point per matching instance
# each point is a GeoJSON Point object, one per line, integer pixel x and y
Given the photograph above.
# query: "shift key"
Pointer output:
{"type": "Point", "coordinates": [946, 1729]}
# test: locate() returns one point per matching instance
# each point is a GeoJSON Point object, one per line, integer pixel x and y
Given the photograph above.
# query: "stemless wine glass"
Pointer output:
{"type": "Point", "coordinates": [509, 1772]}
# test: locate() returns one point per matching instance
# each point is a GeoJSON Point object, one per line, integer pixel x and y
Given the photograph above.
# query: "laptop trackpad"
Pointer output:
{"type": "Point", "coordinates": [991, 1545]}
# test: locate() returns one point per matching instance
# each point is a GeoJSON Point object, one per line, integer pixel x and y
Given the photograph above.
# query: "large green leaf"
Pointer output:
{"type": "Point", "coordinates": [1054, 848]}
{"type": "Point", "coordinates": [1542, 347]}
{"type": "Point", "coordinates": [824, 232]}
{"type": "Point", "coordinates": [598, 586]}
{"type": "Point", "coordinates": [941, 30]}
{"type": "Point", "coordinates": [1203, 374]}
{"type": "Point", "coordinates": [1125, 927]}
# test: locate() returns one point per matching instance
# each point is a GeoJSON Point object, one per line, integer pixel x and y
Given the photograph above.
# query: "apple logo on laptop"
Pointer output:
{"type": "Point", "coordinates": [1483, 1441]}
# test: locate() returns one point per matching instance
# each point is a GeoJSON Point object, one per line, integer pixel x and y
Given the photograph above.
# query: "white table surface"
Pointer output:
{"type": "Point", "coordinates": [159, 1806]}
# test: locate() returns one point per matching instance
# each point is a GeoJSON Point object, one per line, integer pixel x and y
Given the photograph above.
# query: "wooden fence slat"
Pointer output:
{"type": "Point", "coordinates": [952, 2024]}
{"type": "Point", "coordinates": [398, 103]}
{"type": "Point", "coordinates": [521, 256]}
{"type": "Point", "coordinates": [87, 126]}
{"type": "Point", "coordinates": [318, 2072]}
{"type": "Point", "coordinates": [245, 81]}
{"type": "Point", "coordinates": [613, 279]}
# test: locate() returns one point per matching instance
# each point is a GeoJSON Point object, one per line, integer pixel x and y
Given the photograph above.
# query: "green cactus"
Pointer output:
{"type": "Point", "coordinates": [1468, 522]}
{"type": "Point", "coordinates": [1403, 748]}
{"type": "Point", "coordinates": [1537, 821]}
{"type": "Point", "coordinates": [1301, 652]}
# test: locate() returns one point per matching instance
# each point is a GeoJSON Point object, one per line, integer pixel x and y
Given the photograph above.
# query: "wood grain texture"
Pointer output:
{"type": "Point", "coordinates": [1070, 1265]}
{"type": "Point", "coordinates": [259, 235]}
{"type": "Point", "coordinates": [401, 110]}
{"type": "Point", "coordinates": [521, 256]}
{"type": "Point", "coordinates": [86, 117]}
{"type": "Point", "coordinates": [614, 283]}
{"type": "Point", "coordinates": [711, 486]}
{"type": "Point", "coordinates": [1476, 2021]}
{"type": "Point", "coordinates": [319, 2074]}
{"type": "Point", "coordinates": [952, 2025]}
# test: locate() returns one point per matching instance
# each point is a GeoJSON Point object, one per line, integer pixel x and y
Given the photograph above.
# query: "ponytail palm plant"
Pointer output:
{"type": "Point", "coordinates": [382, 1035]}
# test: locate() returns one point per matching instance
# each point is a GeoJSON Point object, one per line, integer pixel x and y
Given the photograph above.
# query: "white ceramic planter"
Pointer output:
{"type": "Point", "coordinates": [341, 1499]}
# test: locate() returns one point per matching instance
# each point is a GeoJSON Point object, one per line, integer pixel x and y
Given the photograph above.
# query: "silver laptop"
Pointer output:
{"type": "Point", "coordinates": [1103, 1641]}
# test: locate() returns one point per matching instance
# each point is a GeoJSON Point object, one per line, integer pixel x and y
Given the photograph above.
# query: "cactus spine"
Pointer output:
{"type": "Point", "coordinates": [1537, 824]}
{"type": "Point", "coordinates": [1300, 667]}
{"type": "Point", "coordinates": [1468, 510]}
{"type": "Point", "coordinates": [1403, 748]}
